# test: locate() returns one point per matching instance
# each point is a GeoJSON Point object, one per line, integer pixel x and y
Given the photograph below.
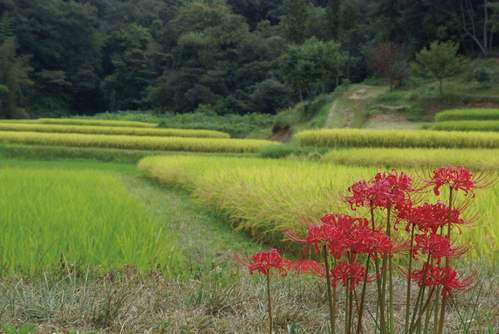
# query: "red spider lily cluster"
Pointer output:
{"type": "Point", "coordinates": [426, 237]}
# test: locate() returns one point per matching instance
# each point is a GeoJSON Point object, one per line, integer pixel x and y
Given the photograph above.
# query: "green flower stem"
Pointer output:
{"type": "Point", "coordinates": [419, 299]}
{"type": "Point", "coordinates": [435, 321]}
{"type": "Point", "coordinates": [444, 296]}
{"type": "Point", "coordinates": [332, 303]}
{"type": "Point", "coordinates": [378, 282]}
{"type": "Point", "coordinates": [268, 297]}
{"type": "Point", "coordinates": [361, 307]}
{"type": "Point", "coordinates": [420, 313]}
{"type": "Point", "coordinates": [390, 269]}
{"type": "Point", "coordinates": [408, 300]}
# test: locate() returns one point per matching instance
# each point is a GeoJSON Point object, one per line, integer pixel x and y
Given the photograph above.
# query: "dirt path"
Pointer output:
{"type": "Point", "coordinates": [349, 110]}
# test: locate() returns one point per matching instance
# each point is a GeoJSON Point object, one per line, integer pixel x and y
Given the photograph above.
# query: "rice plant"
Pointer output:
{"type": "Point", "coordinates": [467, 115]}
{"type": "Point", "coordinates": [413, 157]}
{"type": "Point", "coordinates": [263, 197]}
{"type": "Point", "coordinates": [490, 125]}
{"type": "Point", "coordinates": [396, 139]}
{"type": "Point", "coordinates": [54, 217]}
{"type": "Point", "coordinates": [207, 145]}
{"type": "Point", "coordinates": [111, 130]}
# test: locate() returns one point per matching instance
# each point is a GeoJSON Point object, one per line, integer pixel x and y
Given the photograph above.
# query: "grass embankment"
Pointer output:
{"type": "Point", "coordinates": [79, 218]}
{"type": "Point", "coordinates": [396, 139]}
{"type": "Point", "coordinates": [262, 196]}
{"type": "Point", "coordinates": [111, 130]}
{"type": "Point", "coordinates": [208, 145]}
{"type": "Point", "coordinates": [414, 158]}
{"type": "Point", "coordinates": [37, 152]}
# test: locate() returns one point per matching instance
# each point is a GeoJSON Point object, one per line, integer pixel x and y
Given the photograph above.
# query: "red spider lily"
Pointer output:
{"type": "Point", "coordinates": [457, 178]}
{"type": "Point", "coordinates": [263, 261]}
{"type": "Point", "coordinates": [344, 271]}
{"type": "Point", "coordinates": [374, 243]}
{"type": "Point", "coordinates": [429, 217]}
{"type": "Point", "coordinates": [318, 235]}
{"type": "Point", "coordinates": [452, 282]}
{"type": "Point", "coordinates": [444, 276]}
{"type": "Point", "coordinates": [306, 267]}
{"type": "Point", "coordinates": [336, 232]}
{"type": "Point", "coordinates": [400, 181]}
{"type": "Point", "coordinates": [383, 190]}
{"type": "Point", "coordinates": [439, 247]}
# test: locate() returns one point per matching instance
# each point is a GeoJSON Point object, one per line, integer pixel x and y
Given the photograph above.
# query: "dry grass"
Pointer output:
{"type": "Point", "coordinates": [223, 299]}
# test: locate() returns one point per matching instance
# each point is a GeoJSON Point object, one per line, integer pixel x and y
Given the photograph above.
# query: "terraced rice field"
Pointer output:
{"type": "Point", "coordinates": [111, 130]}
{"type": "Point", "coordinates": [80, 218]}
{"type": "Point", "coordinates": [264, 196]}
{"type": "Point", "coordinates": [211, 145]}
{"type": "Point", "coordinates": [397, 139]}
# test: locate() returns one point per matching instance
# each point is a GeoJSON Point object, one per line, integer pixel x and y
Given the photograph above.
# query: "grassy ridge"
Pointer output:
{"type": "Point", "coordinates": [85, 215]}
{"type": "Point", "coordinates": [415, 157]}
{"type": "Point", "coordinates": [47, 153]}
{"type": "Point", "coordinates": [467, 115]}
{"type": "Point", "coordinates": [262, 196]}
{"type": "Point", "coordinates": [208, 145]}
{"type": "Point", "coordinates": [110, 130]}
{"type": "Point", "coordinates": [396, 138]}
{"type": "Point", "coordinates": [67, 121]}
{"type": "Point", "coordinates": [491, 125]}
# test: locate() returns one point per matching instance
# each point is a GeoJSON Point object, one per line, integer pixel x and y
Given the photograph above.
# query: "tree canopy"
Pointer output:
{"type": "Point", "coordinates": [66, 57]}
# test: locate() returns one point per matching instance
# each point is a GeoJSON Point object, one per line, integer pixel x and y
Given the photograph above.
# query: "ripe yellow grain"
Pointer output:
{"type": "Point", "coordinates": [111, 130]}
{"type": "Point", "coordinates": [208, 145]}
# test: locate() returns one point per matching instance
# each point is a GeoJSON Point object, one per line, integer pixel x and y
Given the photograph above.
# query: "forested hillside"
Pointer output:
{"type": "Point", "coordinates": [69, 57]}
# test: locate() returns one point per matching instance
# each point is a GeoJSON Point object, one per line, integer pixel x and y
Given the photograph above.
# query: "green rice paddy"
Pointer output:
{"type": "Point", "coordinates": [55, 217]}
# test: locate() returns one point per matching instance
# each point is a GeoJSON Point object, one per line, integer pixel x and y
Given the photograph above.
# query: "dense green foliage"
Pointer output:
{"type": "Point", "coordinates": [467, 115]}
{"type": "Point", "coordinates": [74, 57]}
{"type": "Point", "coordinates": [238, 126]}
{"type": "Point", "coordinates": [396, 139]}
{"type": "Point", "coordinates": [439, 62]}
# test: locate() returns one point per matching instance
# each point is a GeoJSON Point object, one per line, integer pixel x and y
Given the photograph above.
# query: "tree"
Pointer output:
{"type": "Point", "coordinates": [440, 62]}
{"type": "Point", "coordinates": [294, 23]}
{"type": "Point", "coordinates": [14, 71]}
{"type": "Point", "coordinates": [312, 62]}
{"type": "Point", "coordinates": [388, 60]}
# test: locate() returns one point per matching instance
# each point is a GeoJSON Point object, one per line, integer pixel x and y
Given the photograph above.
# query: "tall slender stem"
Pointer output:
{"type": "Point", "coordinates": [361, 308]}
{"type": "Point", "coordinates": [378, 282]}
{"type": "Point", "coordinates": [444, 293]}
{"type": "Point", "coordinates": [268, 297]}
{"type": "Point", "coordinates": [408, 299]}
{"type": "Point", "coordinates": [331, 303]}
{"type": "Point", "coordinates": [390, 269]}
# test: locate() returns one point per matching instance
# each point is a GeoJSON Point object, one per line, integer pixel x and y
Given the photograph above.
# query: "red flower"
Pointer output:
{"type": "Point", "coordinates": [439, 247]}
{"type": "Point", "coordinates": [444, 276]}
{"type": "Point", "coordinates": [263, 261]}
{"type": "Point", "coordinates": [344, 271]}
{"type": "Point", "coordinates": [383, 190]}
{"type": "Point", "coordinates": [306, 267]}
{"type": "Point", "coordinates": [429, 217]}
{"type": "Point", "coordinates": [457, 178]}
{"type": "Point", "coordinates": [452, 282]}
{"type": "Point", "coordinates": [317, 235]}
